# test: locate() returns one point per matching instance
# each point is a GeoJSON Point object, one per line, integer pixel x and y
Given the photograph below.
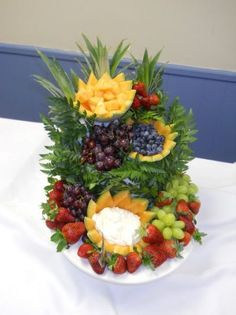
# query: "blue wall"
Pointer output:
{"type": "Point", "coordinates": [210, 93]}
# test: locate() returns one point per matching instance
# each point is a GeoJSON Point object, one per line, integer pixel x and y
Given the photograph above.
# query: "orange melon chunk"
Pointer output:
{"type": "Point", "coordinates": [89, 223]}
{"type": "Point", "coordinates": [120, 196]}
{"type": "Point", "coordinates": [104, 201]}
{"type": "Point", "coordinates": [138, 205]}
{"type": "Point", "coordinates": [147, 216]}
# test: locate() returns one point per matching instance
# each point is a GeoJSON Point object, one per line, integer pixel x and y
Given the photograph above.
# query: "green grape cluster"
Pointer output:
{"type": "Point", "coordinates": [168, 225]}
{"type": "Point", "coordinates": [181, 187]}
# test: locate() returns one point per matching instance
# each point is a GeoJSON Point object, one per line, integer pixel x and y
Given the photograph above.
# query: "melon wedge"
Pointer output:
{"type": "Point", "coordinates": [104, 201]}
{"type": "Point", "coordinates": [91, 210]}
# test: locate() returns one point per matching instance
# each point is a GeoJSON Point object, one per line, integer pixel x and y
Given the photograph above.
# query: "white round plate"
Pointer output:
{"type": "Point", "coordinates": [142, 275]}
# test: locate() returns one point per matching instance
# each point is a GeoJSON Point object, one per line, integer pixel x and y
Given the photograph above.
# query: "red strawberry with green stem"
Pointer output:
{"type": "Point", "coordinates": [53, 225]}
{"type": "Point", "coordinates": [153, 257]}
{"type": "Point", "coordinates": [70, 234]}
{"type": "Point", "coordinates": [117, 264]}
{"type": "Point", "coordinates": [64, 215]}
{"type": "Point", "coordinates": [152, 235]}
{"type": "Point", "coordinates": [172, 248]}
{"type": "Point", "coordinates": [162, 200]}
{"type": "Point", "coordinates": [133, 261]}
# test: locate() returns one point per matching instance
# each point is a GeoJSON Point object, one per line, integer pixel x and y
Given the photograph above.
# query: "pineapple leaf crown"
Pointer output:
{"type": "Point", "coordinates": [97, 59]}
{"type": "Point", "coordinates": [148, 72]}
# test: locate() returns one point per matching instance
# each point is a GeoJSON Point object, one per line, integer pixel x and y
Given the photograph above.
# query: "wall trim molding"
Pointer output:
{"type": "Point", "coordinates": [170, 69]}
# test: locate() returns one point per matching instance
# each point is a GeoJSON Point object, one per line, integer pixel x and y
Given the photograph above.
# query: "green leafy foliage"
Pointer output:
{"type": "Point", "coordinates": [197, 236]}
{"type": "Point", "coordinates": [60, 240]}
{"type": "Point", "coordinates": [49, 210]}
{"type": "Point", "coordinates": [184, 125]}
{"type": "Point", "coordinates": [66, 128]}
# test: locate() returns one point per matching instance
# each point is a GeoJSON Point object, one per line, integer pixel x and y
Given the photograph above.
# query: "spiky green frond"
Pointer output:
{"type": "Point", "coordinates": [97, 59]}
{"type": "Point", "coordinates": [148, 72]}
{"type": "Point", "coordinates": [60, 76]}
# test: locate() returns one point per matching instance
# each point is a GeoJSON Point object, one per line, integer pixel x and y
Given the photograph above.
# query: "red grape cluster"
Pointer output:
{"type": "Point", "coordinates": [76, 199]}
{"type": "Point", "coordinates": [105, 145]}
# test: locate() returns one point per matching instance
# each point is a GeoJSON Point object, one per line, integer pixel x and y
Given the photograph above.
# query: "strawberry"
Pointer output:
{"type": "Point", "coordinates": [162, 200]}
{"type": "Point", "coordinates": [145, 102]}
{"type": "Point", "coordinates": [186, 239]}
{"type": "Point", "coordinates": [117, 264]}
{"type": "Point", "coordinates": [140, 88]}
{"type": "Point", "coordinates": [64, 215]}
{"type": "Point", "coordinates": [133, 262]}
{"type": "Point", "coordinates": [152, 235]}
{"type": "Point", "coordinates": [194, 206]}
{"type": "Point", "coordinates": [136, 103]}
{"type": "Point", "coordinates": [53, 225]}
{"type": "Point", "coordinates": [153, 256]}
{"type": "Point", "coordinates": [73, 231]}
{"type": "Point", "coordinates": [55, 196]}
{"type": "Point", "coordinates": [59, 186]}
{"type": "Point", "coordinates": [85, 250]}
{"type": "Point", "coordinates": [182, 207]}
{"type": "Point", "coordinates": [154, 99]}
{"type": "Point", "coordinates": [97, 263]}
{"type": "Point", "coordinates": [171, 247]}
{"type": "Point", "coordinates": [189, 226]}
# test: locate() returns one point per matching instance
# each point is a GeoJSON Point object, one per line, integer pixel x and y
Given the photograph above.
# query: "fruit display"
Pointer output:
{"type": "Point", "coordinates": [118, 190]}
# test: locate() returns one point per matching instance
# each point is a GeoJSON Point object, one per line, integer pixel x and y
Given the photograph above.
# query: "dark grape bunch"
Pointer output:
{"type": "Point", "coordinates": [76, 199]}
{"type": "Point", "coordinates": [146, 140]}
{"type": "Point", "coordinates": [105, 145]}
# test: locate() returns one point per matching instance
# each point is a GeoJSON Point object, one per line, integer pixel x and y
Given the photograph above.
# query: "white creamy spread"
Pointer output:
{"type": "Point", "coordinates": [118, 226]}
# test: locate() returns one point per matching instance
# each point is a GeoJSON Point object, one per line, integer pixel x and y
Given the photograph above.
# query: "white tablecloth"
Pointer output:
{"type": "Point", "coordinates": [34, 279]}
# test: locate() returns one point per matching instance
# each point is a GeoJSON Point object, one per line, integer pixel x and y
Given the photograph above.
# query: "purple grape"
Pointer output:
{"type": "Point", "coordinates": [100, 156]}
{"type": "Point", "coordinates": [109, 150]}
{"type": "Point", "coordinates": [99, 165]}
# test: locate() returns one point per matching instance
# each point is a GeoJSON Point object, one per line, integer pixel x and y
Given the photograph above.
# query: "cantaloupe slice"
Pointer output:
{"type": "Point", "coordinates": [104, 201]}
{"type": "Point", "coordinates": [147, 216]}
{"type": "Point", "coordinates": [91, 210]}
{"type": "Point", "coordinates": [138, 205]}
{"type": "Point", "coordinates": [125, 203]}
{"type": "Point", "coordinates": [89, 223]}
{"type": "Point", "coordinates": [120, 196]}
